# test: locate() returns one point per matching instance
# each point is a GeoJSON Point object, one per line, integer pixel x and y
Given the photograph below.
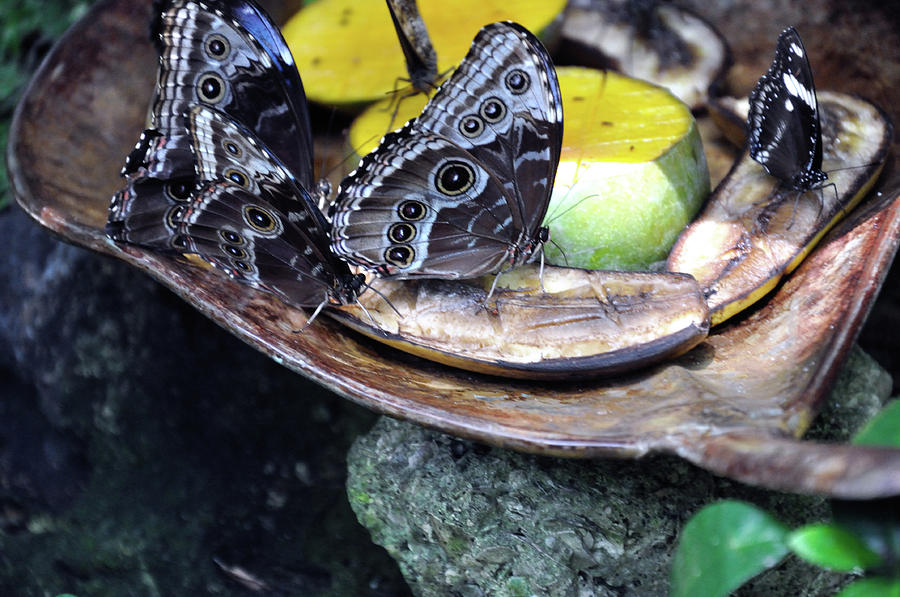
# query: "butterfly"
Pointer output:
{"type": "Point", "coordinates": [421, 59]}
{"type": "Point", "coordinates": [224, 169]}
{"type": "Point", "coordinates": [461, 191]}
{"type": "Point", "coordinates": [785, 132]}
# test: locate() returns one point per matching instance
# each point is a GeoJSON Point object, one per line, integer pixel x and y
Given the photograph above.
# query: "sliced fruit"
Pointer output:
{"type": "Point", "coordinates": [752, 231]}
{"type": "Point", "coordinates": [632, 173]}
{"type": "Point", "coordinates": [658, 42]}
{"type": "Point", "coordinates": [347, 51]}
{"type": "Point", "coordinates": [585, 322]}
{"type": "Point", "coordinates": [631, 176]}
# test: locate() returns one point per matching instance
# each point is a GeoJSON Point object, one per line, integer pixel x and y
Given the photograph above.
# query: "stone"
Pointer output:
{"type": "Point", "coordinates": [462, 518]}
{"type": "Point", "coordinates": [144, 450]}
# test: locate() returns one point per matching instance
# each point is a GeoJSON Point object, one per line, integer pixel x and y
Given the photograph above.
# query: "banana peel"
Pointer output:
{"type": "Point", "coordinates": [581, 323]}
{"type": "Point", "coordinates": [655, 41]}
{"type": "Point", "coordinates": [752, 231]}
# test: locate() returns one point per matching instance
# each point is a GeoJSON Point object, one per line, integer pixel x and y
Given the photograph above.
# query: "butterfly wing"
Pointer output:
{"type": "Point", "coordinates": [785, 132]}
{"type": "Point", "coordinates": [255, 244]}
{"type": "Point", "coordinates": [475, 169]}
{"type": "Point", "coordinates": [200, 183]}
{"type": "Point", "coordinates": [406, 229]}
{"type": "Point", "coordinates": [253, 220]}
{"type": "Point", "coordinates": [160, 179]}
{"type": "Point", "coordinates": [229, 56]}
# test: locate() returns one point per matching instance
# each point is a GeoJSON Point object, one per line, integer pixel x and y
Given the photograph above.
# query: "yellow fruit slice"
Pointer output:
{"type": "Point", "coordinates": [583, 322]}
{"type": "Point", "coordinates": [752, 232]}
{"type": "Point", "coordinates": [347, 51]}
{"type": "Point", "coordinates": [632, 173]}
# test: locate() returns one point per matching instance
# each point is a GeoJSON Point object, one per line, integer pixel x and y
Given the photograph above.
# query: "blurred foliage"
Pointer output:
{"type": "Point", "coordinates": [726, 543]}
{"type": "Point", "coordinates": [28, 29]}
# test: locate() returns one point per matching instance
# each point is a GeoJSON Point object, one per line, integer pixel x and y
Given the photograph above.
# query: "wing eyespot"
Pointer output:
{"type": "Point", "coordinates": [237, 177]}
{"type": "Point", "coordinates": [471, 126]}
{"type": "Point", "coordinates": [243, 266]}
{"type": "Point", "coordinates": [401, 232]}
{"type": "Point", "coordinates": [260, 219]}
{"type": "Point", "coordinates": [178, 190]}
{"type": "Point", "coordinates": [400, 255]}
{"type": "Point", "coordinates": [211, 88]}
{"type": "Point", "coordinates": [174, 216]}
{"type": "Point", "coordinates": [493, 110]}
{"type": "Point", "coordinates": [179, 242]}
{"type": "Point", "coordinates": [231, 237]}
{"type": "Point", "coordinates": [412, 211]}
{"type": "Point", "coordinates": [217, 46]}
{"type": "Point", "coordinates": [236, 252]}
{"type": "Point", "coordinates": [233, 148]}
{"type": "Point", "coordinates": [517, 81]}
{"type": "Point", "coordinates": [454, 178]}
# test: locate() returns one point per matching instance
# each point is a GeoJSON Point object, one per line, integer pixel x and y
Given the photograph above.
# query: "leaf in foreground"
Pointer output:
{"type": "Point", "coordinates": [870, 587]}
{"type": "Point", "coordinates": [832, 547]}
{"type": "Point", "coordinates": [724, 545]}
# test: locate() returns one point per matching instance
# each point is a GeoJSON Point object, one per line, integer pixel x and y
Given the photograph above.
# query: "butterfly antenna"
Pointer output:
{"type": "Point", "coordinates": [384, 298]}
{"type": "Point", "coordinates": [852, 167]}
{"type": "Point", "coordinates": [558, 214]}
{"type": "Point", "coordinates": [561, 252]}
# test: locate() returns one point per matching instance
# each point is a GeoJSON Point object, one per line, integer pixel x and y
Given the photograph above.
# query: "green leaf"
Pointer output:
{"type": "Point", "coordinates": [875, 522]}
{"type": "Point", "coordinates": [883, 429]}
{"type": "Point", "coordinates": [724, 545]}
{"type": "Point", "coordinates": [869, 587]}
{"type": "Point", "coordinates": [832, 547]}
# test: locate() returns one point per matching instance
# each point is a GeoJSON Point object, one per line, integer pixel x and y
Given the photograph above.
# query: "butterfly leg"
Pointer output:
{"type": "Point", "coordinates": [820, 202]}
{"type": "Point", "coordinates": [397, 98]}
{"type": "Point", "coordinates": [366, 311]}
{"type": "Point", "coordinates": [315, 314]}
{"type": "Point", "coordinates": [493, 287]}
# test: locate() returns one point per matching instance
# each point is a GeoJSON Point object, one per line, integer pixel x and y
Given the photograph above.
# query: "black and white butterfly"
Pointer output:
{"type": "Point", "coordinates": [225, 168]}
{"type": "Point", "coordinates": [462, 190]}
{"type": "Point", "coordinates": [785, 134]}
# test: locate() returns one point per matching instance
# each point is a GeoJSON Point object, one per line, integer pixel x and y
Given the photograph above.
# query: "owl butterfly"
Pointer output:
{"type": "Point", "coordinates": [461, 191]}
{"type": "Point", "coordinates": [224, 169]}
{"type": "Point", "coordinates": [783, 121]}
{"type": "Point", "coordinates": [421, 59]}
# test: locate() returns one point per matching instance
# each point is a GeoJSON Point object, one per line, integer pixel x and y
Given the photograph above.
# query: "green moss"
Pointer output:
{"type": "Point", "coordinates": [518, 587]}
{"type": "Point", "coordinates": [477, 521]}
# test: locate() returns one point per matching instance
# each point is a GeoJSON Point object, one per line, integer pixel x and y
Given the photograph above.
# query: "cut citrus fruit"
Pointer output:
{"type": "Point", "coordinates": [348, 53]}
